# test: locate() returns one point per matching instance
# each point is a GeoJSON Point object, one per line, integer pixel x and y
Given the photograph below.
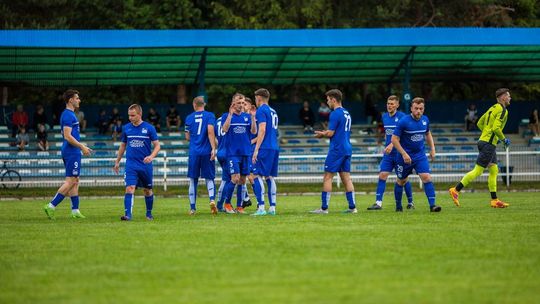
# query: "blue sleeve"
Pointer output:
{"type": "Point", "coordinates": [211, 118]}
{"type": "Point", "coordinates": [153, 134]}
{"type": "Point", "coordinates": [332, 125]}
{"type": "Point", "coordinates": [427, 125]}
{"type": "Point", "coordinates": [260, 116]}
{"type": "Point", "coordinates": [399, 128]}
{"type": "Point", "coordinates": [123, 136]}
{"type": "Point", "coordinates": [188, 123]}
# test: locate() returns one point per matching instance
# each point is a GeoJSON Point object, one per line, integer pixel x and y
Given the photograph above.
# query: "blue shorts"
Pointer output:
{"type": "Point", "coordinates": [337, 163]}
{"type": "Point", "coordinates": [225, 175]}
{"type": "Point", "coordinates": [72, 163]}
{"type": "Point", "coordinates": [267, 163]}
{"type": "Point", "coordinates": [139, 176]}
{"type": "Point", "coordinates": [388, 162]}
{"type": "Point", "coordinates": [419, 163]}
{"type": "Point", "coordinates": [201, 166]}
{"type": "Point", "coordinates": [238, 165]}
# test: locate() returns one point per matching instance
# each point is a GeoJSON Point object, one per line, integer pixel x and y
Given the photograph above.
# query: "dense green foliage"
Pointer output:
{"type": "Point", "coordinates": [274, 14]}
{"type": "Point", "coordinates": [473, 254]}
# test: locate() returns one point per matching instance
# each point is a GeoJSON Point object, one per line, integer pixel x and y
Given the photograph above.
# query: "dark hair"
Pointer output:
{"type": "Point", "coordinates": [263, 93]}
{"type": "Point", "coordinates": [69, 94]}
{"type": "Point", "coordinates": [248, 100]}
{"type": "Point", "coordinates": [335, 93]}
{"type": "Point", "coordinates": [393, 97]}
{"type": "Point", "coordinates": [199, 101]}
{"type": "Point", "coordinates": [419, 100]}
{"type": "Point", "coordinates": [501, 91]}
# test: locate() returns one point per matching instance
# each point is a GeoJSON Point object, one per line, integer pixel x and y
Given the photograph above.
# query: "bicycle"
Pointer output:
{"type": "Point", "coordinates": [11, 177]}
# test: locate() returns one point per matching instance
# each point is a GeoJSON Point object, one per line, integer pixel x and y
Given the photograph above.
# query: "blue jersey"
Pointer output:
{"type": "Point", "coordinates": [68, 119]}
{"type": "Point", "coordinates": [197, 125]}
{"type": "Point", "coordinates": [220, 135]}
{"type": "Point", "coordinates": [412, 134]}
{"type": "Point", "coordinates": [238, 137]}
{"type": "Point", "coordinates": [390, 124]}
{"type": "Point", "coordinates": [340, 123]}
{"type": "Point", "coordinates": [268, 115]}
{"type": "Point", "coordinates": [138, 140]}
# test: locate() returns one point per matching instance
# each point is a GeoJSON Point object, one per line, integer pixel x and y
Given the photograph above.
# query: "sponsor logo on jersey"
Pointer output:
{"type": "Point", "coordinates": [239, 130]}
{"type": "Point", "coordinates": [389, 131]}
{"type": "Point", "coordinates": [417, 137]}
{"type": "Point", "coordinates": [135, 143]}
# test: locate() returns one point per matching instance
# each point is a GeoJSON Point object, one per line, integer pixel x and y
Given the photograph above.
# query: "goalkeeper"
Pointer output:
{"type": "Point", "coordinates": [491, 124]}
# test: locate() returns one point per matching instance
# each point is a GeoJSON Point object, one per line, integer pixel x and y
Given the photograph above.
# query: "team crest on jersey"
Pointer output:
{"type": "Point", "coordinates": [395, 119]}
{"type": "Point", "coordinates": [423, 122]}
{"type": "Point", "coordinates": [144, 131]}
{"type": "Point", "coordinates": [245, 119]}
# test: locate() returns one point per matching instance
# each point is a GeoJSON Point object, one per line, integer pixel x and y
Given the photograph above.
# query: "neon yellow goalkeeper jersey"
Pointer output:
{"type": "Point", "coordinates": [492, 123]}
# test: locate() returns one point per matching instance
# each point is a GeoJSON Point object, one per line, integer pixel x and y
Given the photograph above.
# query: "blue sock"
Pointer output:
{"type": "Point", "coordinates": [381, 186]}
{"type": "Point", "coordinates": [258, 189]}
{"type": "Point", "coordinates": [408, 192]}
{"type": "Point", "coordinates": [398, 193]}
{"type": "Point", "coordinates": [272, 189]}
{"type": "Point", "coordinates": [210, 186]}
{"type": "Point", "coordinates": [429, 189]}
{"type": "Point", "coordinates": [239, 195]}
{"type": "Point", "coordinates": [74, 202]}
{"type": "Point", "coordinates": [57, 199]}
{"type": "Point", "coordinates": [351, 200]}
{"type": "Point", "coordinates": [128, 204]}
{"type": "Point", "coordinates": [149, 200]}
{"type": "Point", "coordinates": [325, 197]}
{"type": "Point", "coordinates": [193, 193]}
{"type": "Point", "coordinates": [229, 190]}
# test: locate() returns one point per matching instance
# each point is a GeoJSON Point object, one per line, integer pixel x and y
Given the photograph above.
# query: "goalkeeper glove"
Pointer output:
{"type": "Point", "coordinates": [506, 142]}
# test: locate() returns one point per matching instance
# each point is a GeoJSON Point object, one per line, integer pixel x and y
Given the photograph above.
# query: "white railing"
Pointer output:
{"type": "Point", "coordinates": [519, 165]}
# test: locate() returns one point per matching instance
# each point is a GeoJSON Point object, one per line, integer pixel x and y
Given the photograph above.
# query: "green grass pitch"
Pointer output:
{"type": "Point", "coordinates": [473, 254]}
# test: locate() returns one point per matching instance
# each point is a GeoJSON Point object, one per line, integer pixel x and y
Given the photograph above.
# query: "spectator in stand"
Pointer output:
{"type": "Point", "coordinates": [40, 118]}
{"type": "Point", "coordinates": [306, 117]}
{"type": "Point", "coordinates": [173, 119]}
{"type": "Point", "coordinates": [324, 114]}
{"type": "Point", "coordinates": [41, 135]}
{"type": "Point", "coordinates": [117, 130]}
{"type": "Point", "coordinates": [534, 124]}
{"type": "Point", "coordinates": [81, 120]}
{"type": "Point", "coordinates": [102, 122]}
{"type": "Point", "coordinates": [19, 120]}
{"type": "Point", "coordinates": [471, 118]}
{"type": "Point", "coordinates": [22, 139]}
{"type": "Point", "coordinates": [154, 118]}
{"type": "Point", "coordinates": [113, 118]}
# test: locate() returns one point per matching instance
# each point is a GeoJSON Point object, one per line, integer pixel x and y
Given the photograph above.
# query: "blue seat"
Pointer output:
{"type": "Point", "coordinates": [291, 132]}
{"type": "Point", "coordinates": [438, 166]}
{"type": "Point", "coordinates": [361, 168]}
{"type": "Point", "coordinates": [462, 139]}
{"type": "Point", "coordinates": [316, 150]}
{"type": "Point", "coordinates": [369, 140]}
{"type": "Point", "coordinates": [456, 131]}
{"type": "Point", "coordinates": [294, 141]}
{"type": "Point", "coordinates": [298, 150]}
{"type": "Point", "coordinates": [467, 148]}
{"type": "Point", "coordinates": [443, 139]}
{"type": "Point", "coordinates": [312, 141]}
{"type": "Point", "coordinates": [458, 166]}
{"type": "Point", "coordinates": [448, 148]}
{"type": "Point", "coordinates": [438, 131]}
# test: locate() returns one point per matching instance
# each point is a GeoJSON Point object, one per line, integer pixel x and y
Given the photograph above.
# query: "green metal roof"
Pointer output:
{"type": "Point", "coordinates": [54, 66]}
